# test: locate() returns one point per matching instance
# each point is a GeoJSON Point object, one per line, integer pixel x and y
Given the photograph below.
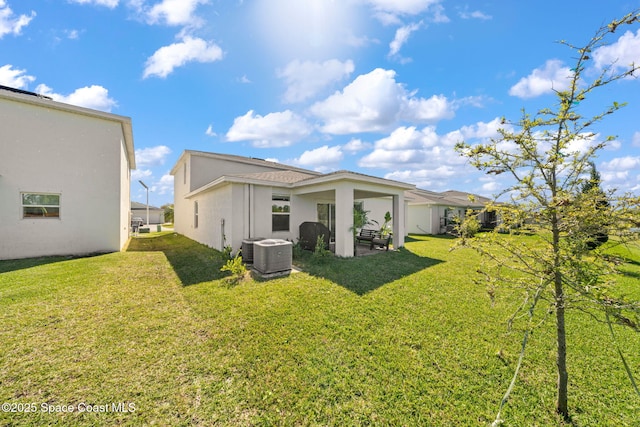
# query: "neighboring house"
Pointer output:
{"type": "Point", "coordinates": [223, 199]}
{"type": "Point", "coordinates": [64, 177]}
{"type": "Point", "coordinates": [430, 212]}
{"type": "Point", "coordinates": [139, 210]}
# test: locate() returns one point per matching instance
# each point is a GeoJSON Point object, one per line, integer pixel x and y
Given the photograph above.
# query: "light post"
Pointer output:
{"type": "Point", "coordinates": [147, 188]}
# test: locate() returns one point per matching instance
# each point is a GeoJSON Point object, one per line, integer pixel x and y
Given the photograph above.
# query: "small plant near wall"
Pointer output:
{"type": "Point", "coordinates": [236, 267]}
{"type": "Point", "coordinates": [385, 230]}
{"type": "Point", "coordinates": [320, 250]}
{"type": "Point", "coordinates": [226, 252]}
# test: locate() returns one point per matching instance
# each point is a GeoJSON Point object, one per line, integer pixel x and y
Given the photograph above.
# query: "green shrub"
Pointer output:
{"type": "Point", "coordinates": [468, 227]}
{"type": "Point", "coordinates": [236, 267]}
{"type": "Point", "coordinates": [320, 250]}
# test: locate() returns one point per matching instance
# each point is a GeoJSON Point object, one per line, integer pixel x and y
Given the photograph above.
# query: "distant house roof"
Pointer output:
{"type": "Point", "coordinates": [446, 198]}
{"type": "Point", "coordinates": [141, 206]}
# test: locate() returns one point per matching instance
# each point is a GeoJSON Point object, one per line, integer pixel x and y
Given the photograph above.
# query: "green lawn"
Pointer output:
{"type": "Point", "coordinates": [399, 338]}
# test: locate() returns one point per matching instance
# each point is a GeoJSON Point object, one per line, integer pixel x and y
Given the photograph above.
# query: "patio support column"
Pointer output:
{"type": "Point", "coordinates": [398, 221]}
{"type": "Point", "coordinates": [344, 219]}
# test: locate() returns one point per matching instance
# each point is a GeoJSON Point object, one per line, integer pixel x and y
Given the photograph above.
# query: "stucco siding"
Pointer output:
{"type": "Point", "coordinates": [81, 158]}
{"type": "Point", "coordinates": [213, 207]}
{"type": "Point", "coordinates": [181, 206]}
{"type": "Point", "coordinates": [420, 220]}
{"type": "Point", "coordinates": [207, 169]}
{"type": "Point", "coordinates": [377, 209]}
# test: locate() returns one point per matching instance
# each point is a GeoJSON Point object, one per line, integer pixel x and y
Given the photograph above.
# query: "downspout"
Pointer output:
{"type": "Point", "coordinates": [250, 207]}
{"type": "Point", "coordinates": [222, 239]}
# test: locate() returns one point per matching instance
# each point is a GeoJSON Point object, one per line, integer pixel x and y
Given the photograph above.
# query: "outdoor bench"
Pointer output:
{"type": "Point", "coordinates": [373, 238]}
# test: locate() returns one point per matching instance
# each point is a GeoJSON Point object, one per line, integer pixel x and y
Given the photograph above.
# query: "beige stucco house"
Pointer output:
{"type": "Point", "coordinates": [139, 210]}
{"type": "Point", "coordinates": [64, 177]}
{"type": "Point", "coordinates": [223, 199]}
{"type": "Point", "coordinates": [431, 212]}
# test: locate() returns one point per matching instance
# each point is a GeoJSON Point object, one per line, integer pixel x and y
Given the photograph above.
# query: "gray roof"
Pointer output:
{"type": "Point", "coordinates": [446, 198]}
{"type": "Point", "coordinates": [137, 205]}
{"type": "Point", "coordinates": [283, 177]}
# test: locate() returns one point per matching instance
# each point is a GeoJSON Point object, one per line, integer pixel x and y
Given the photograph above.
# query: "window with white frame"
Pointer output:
{"type": "Point", "coordinates": [40, 205]}
{"type": "Point", "coordinates": [280, 212]}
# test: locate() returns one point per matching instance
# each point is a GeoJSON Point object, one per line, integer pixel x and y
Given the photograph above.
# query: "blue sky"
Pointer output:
{"type": "Point", "coordinates": [382, 87]}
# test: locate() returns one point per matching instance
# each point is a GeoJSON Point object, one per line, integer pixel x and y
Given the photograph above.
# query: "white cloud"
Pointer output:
{"type": "Point", "coordinates": [619, 54]}
{"type": "Point", "coordinates": [476, 14]}
{"type": "Point", "coordinates": [543, 80]}
{"type": "Point", "coordinates": [429, 110]}
{"type": "Point", "coordinates": [152, 156]}
{"type": "Point", "coordinates": [619, 164]}
{"type": "Point", "coordinates": [210, 132]}
{"type": "Point", "coordinates": [72, 34]}
{"type": "Point", "coordinates": [636, 139]}
{"type": "Point", "coordinates": [190, 49]}
{"type": "Point", "coordinates": [95, 97]}
{"type": "Point", "coordinates": [13, 77]}
{"type": "Point", "coordinates": [621, 173]}
{"type": "Point", "coordinates": [402, 36]}
{"type": "Point", "coordinates": [140, 174]}
{"type": "Point", "coordinates": [10, 23]}
{"type": "Point", "coordinates": [402, 7]}
{"type": "Point", "coordinates": [424, 157]}
{"type": "Point", "coordinates": [491, 186]}
{"type": "Point", "coordinates": [322, 159]}
{"type": "Point", "coordinates": [165, 185]}
{"type": "Point", "coordinates": [390, 12]}
{"type": "Point", "coordinates": [175, 12]}
{"type": "Point", "coordinates": [484, 130]}
{"type": "Point", "coordinates": [438, 15]}
{"type": "Point", "coordinates": [409, 138]}
{"type": "Point", "coordinates": [108, 3]}
{"type": "Point", "coordinates": [305, 79]}
{"type": "Point", "coordinates": [374, 102]}
{"type": "Point", "coordinates": [424, 178]}
{"type": "Point", "coordinates": [356, 145]}
{"type": "Point", "coordinates": [280, 129]}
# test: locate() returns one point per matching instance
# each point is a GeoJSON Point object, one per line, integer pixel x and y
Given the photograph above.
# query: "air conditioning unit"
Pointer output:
{"type": "Point", "coordinates": [247, 249]}
{"type": "Point", "coordinates": [272, 256]}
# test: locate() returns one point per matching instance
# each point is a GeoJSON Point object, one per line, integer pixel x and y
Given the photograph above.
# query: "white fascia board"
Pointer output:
{"type": "Point", "coordinates": [355, 177]}
{"type": "Point", "coordinates": [224, 180]}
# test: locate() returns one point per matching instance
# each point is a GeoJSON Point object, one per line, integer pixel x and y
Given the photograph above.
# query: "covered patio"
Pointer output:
{"type": "Point", "coordinates": [342, 189]}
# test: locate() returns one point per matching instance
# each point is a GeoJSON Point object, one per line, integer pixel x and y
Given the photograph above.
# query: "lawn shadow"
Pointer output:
{"type": "Point", "coordinates": [361, 275]}
{"type": "Point", "coordinates": [192, 262]}
{"type": "Point", "coordinates": [9, 265]}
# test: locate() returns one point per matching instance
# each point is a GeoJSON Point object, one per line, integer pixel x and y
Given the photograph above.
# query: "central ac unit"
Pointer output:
{"type": "Point", "coordinates": [247, 249]}
{"type": "Point", "coordinates": [272, 256]}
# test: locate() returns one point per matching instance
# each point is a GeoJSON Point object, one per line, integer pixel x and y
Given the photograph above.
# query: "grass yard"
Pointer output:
{"type": "Point", "coordinates": [393, 339]}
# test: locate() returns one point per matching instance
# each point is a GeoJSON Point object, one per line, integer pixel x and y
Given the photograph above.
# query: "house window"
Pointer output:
{"type": "Point", "coordinates": [184, 178]}
{"type": "Point", "coordinates": [280, 212]}
{"type": "Point", "coordinates": [195, 214]}
{"type": "Point", "coordinates": [39, 205]}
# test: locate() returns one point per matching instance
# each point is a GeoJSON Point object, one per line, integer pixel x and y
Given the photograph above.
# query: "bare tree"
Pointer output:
{"type": "Point", "coordinates": [562, 270]}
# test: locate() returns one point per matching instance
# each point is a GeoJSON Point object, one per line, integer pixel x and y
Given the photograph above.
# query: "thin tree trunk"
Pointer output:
{"type": "Point", "coordinates": [561, 357]}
